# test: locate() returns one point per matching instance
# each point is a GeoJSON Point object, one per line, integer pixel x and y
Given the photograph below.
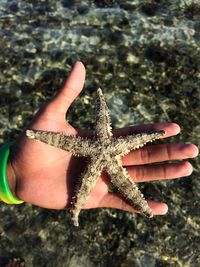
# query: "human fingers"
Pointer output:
{"type": "Point", "coordinates": [70, 90]}
{"type": "Point", "coordinates": [169, 128]}
{"type": "Point", "coordinates": [111, 200]}
{"type": "Point", "coordinates": [158, 153]}
{"type": "Point", "coordinates": [146, 173]}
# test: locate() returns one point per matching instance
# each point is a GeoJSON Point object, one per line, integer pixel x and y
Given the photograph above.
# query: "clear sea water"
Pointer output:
{"type": "Point", "coordinates": [145, 57]}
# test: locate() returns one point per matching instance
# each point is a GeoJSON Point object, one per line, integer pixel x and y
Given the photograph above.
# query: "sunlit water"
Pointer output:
{"type": "Point", "coordinates": [145, 57]}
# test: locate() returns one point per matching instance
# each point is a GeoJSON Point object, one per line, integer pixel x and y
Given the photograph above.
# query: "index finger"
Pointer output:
{"type": "Point", "coordinates": [169, 128]}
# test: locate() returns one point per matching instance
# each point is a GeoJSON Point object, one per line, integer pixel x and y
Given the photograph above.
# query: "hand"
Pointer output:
{"type": "Point", "coordinates": [45, 176]}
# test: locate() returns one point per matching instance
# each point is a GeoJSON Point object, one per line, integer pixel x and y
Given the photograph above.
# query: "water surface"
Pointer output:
{"type": "Point", "coordinates": [145, 57]}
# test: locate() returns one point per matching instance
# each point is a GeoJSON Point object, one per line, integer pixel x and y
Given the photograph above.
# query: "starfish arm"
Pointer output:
{"type": "Point", "coordinates": [75, 144]}
{"type": "Point", "coordinates": [124, 144]}
{"type": "Point", "coordinates": [88, 181]}
{"type": "Point", "coordinates": [122, 181]}
{"type": "Point", "coordinates": [103, 128]}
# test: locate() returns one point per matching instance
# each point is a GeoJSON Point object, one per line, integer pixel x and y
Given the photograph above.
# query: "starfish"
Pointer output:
{"type": "Point", "coordinates": [104, 153]}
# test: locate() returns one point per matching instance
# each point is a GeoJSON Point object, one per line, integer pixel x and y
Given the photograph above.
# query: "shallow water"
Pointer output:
{"type": "Point", "coordinates": [146, 58]}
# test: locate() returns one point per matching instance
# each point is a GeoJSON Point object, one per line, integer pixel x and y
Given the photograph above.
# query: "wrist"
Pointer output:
{"type": "Point", "coordinates": [11, 177]}
{"type": "Point", "coordinates": [7, 176]}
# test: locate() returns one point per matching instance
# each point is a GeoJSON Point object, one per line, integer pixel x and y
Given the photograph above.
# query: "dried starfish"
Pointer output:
{"type": "Point", "coordinates": [104, 152]}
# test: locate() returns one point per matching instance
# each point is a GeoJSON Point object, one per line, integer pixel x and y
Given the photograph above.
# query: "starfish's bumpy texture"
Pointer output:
{"type": "Point", "coordinates": [104, 152]}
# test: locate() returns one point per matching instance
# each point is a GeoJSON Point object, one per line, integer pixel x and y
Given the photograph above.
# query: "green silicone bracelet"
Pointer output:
{"type": "Point", "coordinates": [5, 192]}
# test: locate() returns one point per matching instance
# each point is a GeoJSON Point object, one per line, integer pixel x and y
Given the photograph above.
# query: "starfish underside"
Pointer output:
{"type": "Point", "coordinates": [104, 153]}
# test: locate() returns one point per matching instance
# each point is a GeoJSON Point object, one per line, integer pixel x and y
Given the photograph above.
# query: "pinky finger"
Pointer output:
{"type": "Point", "coordinates": [111, 200]}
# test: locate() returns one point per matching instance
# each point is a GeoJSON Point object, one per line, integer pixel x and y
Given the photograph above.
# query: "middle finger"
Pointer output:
{"type": "Point", "coordinates": [159, 153]}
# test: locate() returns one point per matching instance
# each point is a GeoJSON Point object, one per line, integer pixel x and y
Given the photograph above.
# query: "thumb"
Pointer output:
{"type": "Point", "coordinates": [70, 90]}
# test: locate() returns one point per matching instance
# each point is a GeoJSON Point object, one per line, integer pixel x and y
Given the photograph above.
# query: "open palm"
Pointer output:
{"type": "Point", "coordinates": [46, 176]}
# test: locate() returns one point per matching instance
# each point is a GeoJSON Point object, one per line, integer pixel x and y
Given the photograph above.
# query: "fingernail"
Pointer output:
{"type": "Point", "coordinates": [164, 209]}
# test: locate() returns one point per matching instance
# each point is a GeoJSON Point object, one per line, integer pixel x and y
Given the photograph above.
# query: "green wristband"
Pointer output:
{"type": "Point", "coordinates": [5, 192]}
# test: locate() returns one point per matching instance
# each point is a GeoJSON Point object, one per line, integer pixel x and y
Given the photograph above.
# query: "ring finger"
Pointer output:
{"type": "Point", "coordinates": [145, 173]}
{"type": "Point", "coordinates": [158, 153]}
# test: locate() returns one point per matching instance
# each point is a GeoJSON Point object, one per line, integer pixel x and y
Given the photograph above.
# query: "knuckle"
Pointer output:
{"type": "Point", "coordinates": [145, 155]}
{"type": "Point", "coordinates": [168, 151]}
{"type": "Point", "coordinates": [164, 171]}
{"type": "Point", "coordinates": [139, 174]}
